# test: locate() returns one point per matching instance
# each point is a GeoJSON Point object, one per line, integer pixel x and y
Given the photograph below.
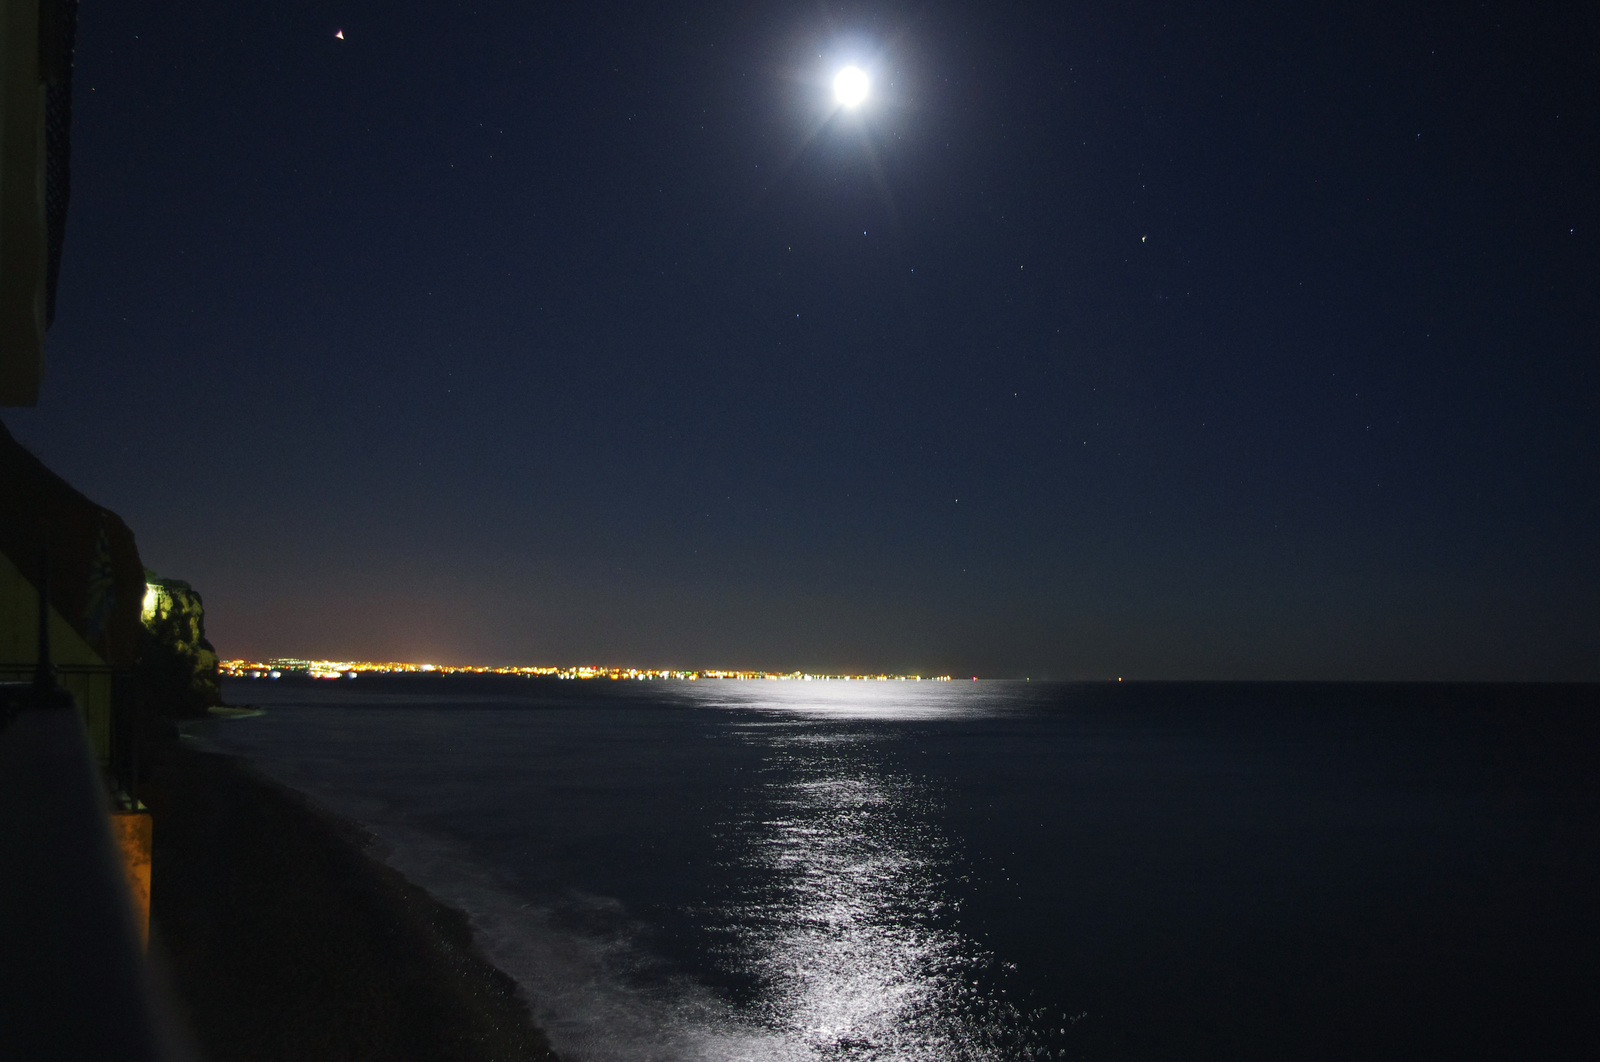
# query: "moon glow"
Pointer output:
{"type": "Point", "coordinates": [850, 87]}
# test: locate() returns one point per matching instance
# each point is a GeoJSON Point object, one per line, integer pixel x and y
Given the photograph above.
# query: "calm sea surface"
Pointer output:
{"type": "Point", "coordinates": [997, 870]}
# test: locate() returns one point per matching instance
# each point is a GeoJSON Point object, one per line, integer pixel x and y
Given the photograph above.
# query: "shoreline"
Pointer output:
{"type": "Point", "coordinates": [282, 936]}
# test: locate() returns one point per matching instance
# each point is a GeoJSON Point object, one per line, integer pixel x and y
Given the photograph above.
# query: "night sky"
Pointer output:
{"type": "Point", "coordinates": [1105, 339]}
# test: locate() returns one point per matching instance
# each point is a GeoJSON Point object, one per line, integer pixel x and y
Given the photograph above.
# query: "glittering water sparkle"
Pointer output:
{"type": "Point", "coordinates": [839, 911]}
{"type": "Point", "coordinates": [946, 872]}
{"type": "Point", "coordinates": [846, 937]}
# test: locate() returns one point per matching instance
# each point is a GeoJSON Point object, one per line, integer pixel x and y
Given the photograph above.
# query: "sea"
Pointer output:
{"type": "Point", "coordinates": [727, 870]}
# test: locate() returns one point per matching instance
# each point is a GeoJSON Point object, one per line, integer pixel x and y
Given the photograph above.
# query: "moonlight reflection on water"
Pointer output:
{"type": "Point", "coordinates": [842, 918]}
{"type": "Point", "coordinates": [848, 942]}
{"type": "Point", "coordinates": [932, 872]}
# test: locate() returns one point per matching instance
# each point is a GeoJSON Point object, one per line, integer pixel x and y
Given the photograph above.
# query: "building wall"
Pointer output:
{"type": "Point", "coordinates": [80, 669]}
{"type": "Point", "coordinates": [96, 577]}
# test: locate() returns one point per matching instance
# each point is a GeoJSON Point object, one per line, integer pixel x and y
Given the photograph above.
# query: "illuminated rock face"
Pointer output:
{"type": "Point", "coordinates": [177, 665]}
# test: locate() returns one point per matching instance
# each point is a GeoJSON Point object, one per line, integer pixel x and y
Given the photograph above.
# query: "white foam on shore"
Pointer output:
{"type": "Point", "coordinates": [599, 999]}
{"type": "Point", "coordinates": [853, 967]}
{"type": "Point", "coordinates": [582, 990]}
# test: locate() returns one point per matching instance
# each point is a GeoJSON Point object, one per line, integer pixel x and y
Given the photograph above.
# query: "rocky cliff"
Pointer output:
{"type": "Point", "coordinates": [177, 665]}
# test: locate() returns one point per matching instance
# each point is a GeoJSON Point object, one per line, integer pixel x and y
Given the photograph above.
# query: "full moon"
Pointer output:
{"type": "Point", "coordinates": [850, 87]}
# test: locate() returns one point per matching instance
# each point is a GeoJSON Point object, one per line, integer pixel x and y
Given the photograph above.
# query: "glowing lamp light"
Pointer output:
{"type": "Point", "coordinates": [850, 87]}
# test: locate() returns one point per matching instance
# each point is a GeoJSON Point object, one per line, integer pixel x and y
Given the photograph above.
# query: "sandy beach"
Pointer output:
{"type": "Point", "coordinates": [283, 938]}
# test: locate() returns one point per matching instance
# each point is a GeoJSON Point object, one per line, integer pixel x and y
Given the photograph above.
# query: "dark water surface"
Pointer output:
{"type": "Point", "coordinates": [729, 870]}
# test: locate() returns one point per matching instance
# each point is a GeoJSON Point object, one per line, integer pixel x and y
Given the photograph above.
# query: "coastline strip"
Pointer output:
{"type": "Point", "coordinates": [283, 938]}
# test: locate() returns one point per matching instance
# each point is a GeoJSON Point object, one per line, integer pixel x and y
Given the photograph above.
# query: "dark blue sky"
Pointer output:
{"type": "Point", "coordinates": [1106, 339]}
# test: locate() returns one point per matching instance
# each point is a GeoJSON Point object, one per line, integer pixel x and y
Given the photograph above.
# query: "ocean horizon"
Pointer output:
{"type": "Point", "coordinates": [725, 870]}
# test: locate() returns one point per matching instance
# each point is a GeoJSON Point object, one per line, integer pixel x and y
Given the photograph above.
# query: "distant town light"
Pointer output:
{"type": "Point", "coordinates": [349, 669]}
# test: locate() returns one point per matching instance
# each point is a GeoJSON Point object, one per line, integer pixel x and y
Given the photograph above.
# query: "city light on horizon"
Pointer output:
{"type": "Point", "coordinates": [277, 667]}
